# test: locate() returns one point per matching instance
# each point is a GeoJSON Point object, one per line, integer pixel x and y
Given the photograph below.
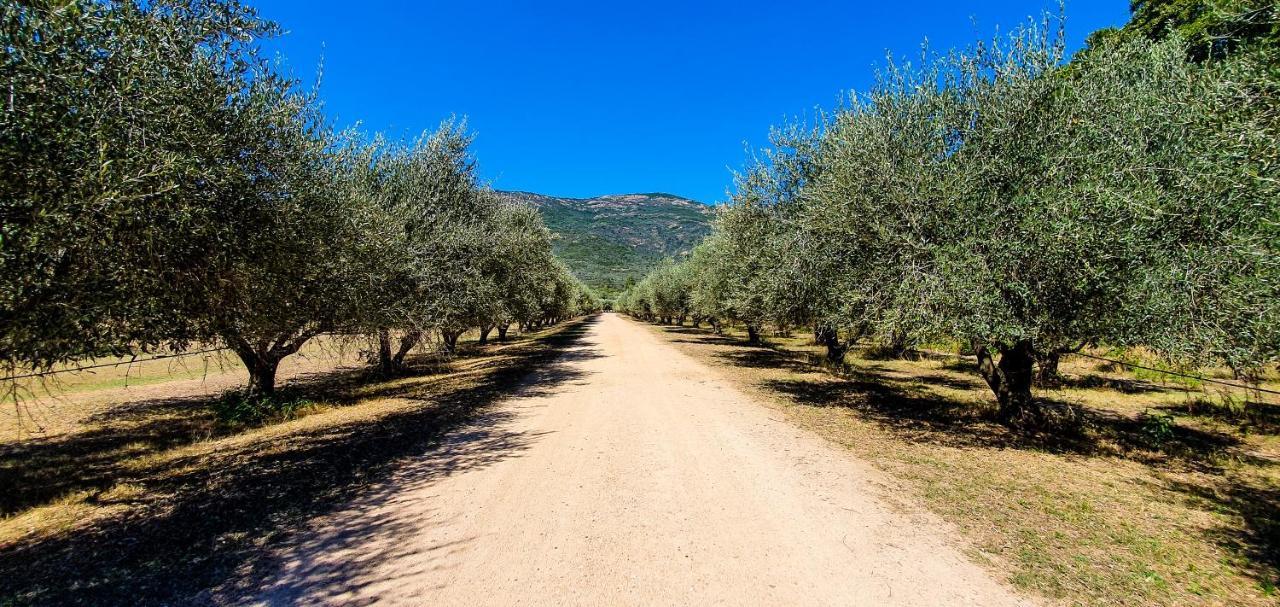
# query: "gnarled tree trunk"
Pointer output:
{"type": "Point", "coordinates": [502, 330]}
{"type": "Point", "coordinates": [262, 357]}
{"type": "Point", "coordinates": [390, 363]}
{"type": "Point", "coordinates": [450, 338]}
{"type": "Point", "coordinates": [262, 374]}
{"type": "Point", "coordinates": [407, 342]}
{"type": "Point", "coordinates": [828, 336]}
{"type": "Point", "coordinates": [753, 333]}
{"type": "Point", "coordinates": [898, 344]}
{"type": "Point", "coordinates": [484, 333]}
{"type": "Point", "coordinates": [386, 364]}
{"type": "Point", "coordinates": [1047, 367]}
{"type": "Point", "coordinates": [1010, 380]}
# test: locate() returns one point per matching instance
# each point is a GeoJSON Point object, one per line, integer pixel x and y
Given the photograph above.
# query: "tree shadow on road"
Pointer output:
{"type": "Point", "coordinates": [200, 521]}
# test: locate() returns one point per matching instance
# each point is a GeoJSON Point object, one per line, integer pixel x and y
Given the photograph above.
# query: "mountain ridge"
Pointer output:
{"type": "Point", "coordinates": [607, 240]}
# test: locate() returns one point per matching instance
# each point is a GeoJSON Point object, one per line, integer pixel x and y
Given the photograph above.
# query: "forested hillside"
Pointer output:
{"type": "Point", "coordinates": [609, 239]}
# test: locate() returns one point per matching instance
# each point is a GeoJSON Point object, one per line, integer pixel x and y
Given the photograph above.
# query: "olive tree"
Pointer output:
{"type": "Point", "coordinates": [121, 142]}
{"type": "Point", "coordinates": [1216, 288]}
{"type": "Point", "coordinates": [441, 224]}
{"type": "Point", "coordinates": [522, 257]}
{"type": "Point", "coordinates": [997, 198]}
{"type": "Point", "coordinates": [708, 289]}
{"type": "Point", "coordinates": [746, 227]}
{"type": "Point", "coordinates": [164, 186]}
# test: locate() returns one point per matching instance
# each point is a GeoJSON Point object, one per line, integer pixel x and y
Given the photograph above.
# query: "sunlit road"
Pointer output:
{"type": "Point", "coordinates": [628, 473]}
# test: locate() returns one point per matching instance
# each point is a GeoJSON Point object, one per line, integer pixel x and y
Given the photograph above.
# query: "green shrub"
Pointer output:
{"type": "Point", "coordinates": [239, 408]}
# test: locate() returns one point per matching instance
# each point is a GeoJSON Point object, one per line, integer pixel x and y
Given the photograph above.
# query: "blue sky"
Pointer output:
{"type": "Point", "coordinates": [588, 98]}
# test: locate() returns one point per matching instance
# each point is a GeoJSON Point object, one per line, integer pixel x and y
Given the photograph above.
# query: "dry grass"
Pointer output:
{"type": "Point", "coordinates": [1124, 507]}
{"type": "Point", "coordinates": [144, 496]}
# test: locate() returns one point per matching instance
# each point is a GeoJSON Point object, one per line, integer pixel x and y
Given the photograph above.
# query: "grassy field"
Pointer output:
{"type": "Point", "coordinates": [145, 495]}
{"type": "Point", "coordinates": [1162, 493]}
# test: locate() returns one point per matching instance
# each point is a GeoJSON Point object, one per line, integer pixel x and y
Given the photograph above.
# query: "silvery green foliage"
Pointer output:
{"type": "Point", "coordinates": [523, 262]}
{"type": "Point", "coordinates": [999, 199]}
{"type": "Point", "coordinates": [459, 256]}
{"type": "Point", "coordinates": [430, 191]}
{"type": "Point", "coordinates": [1220, 286]}
{"type": "Point", "coordinates": [128, 132]}
{"type": "Point", "coordinates": [1003, 198]}
{"type": "Point", "coordinates": [163, 185]}
{"type": "Point", "coordinates": [708, 281]}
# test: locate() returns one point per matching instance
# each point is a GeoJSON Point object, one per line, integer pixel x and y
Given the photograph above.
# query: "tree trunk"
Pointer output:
{"type": "Point", "coordinates": [753, 333]}
{"type": "Point", "coordinates": [261, 363]}
{"type": "Point", "coordinates": [484, 334]}
{"type": "Point", "coordinates": [502, 331]}
{"type": "Point", "coordinates": [827, 335]}
{"type": "Point", "coordinates": [450, 340]}
{"type": "Point", "coordinates": [262, 358]}
{"type": "Point", "coordinates": [262, 375]}
{"type": "Point", "coordinates": [1010, 380]}
{"type": "Point", "coordinates": [1047, 368]}
{"type": "Point", "coordinates": [407, 342]}
{"type": "Point", "coordinates": [897, 345]}
{"type": "Point", "coordinates": [680, 320]}
{"type": "Point", "coordinates": [386, 365]}
{"type": "Point", "coordinates": [716, 327]}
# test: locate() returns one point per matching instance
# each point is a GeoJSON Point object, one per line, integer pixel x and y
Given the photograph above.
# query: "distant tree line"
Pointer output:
{"type": "Point", "coordinates": [163, 185]}
{"type": "Point", "coordinates": [1021, 205]}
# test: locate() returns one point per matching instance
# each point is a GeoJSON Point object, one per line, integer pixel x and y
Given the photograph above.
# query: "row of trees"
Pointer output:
{"type": "Point", "coordinates": [1018, 204]}
{"type": "Point", "coordinates": [162, 185]}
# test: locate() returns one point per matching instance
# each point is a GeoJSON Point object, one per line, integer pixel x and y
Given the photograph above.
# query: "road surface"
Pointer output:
{"type": "Point", "coordinates": [628, 473]}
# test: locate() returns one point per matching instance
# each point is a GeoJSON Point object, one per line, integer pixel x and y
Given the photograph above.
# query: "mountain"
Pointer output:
{"type": "Point", "coordinates": [608, 239]}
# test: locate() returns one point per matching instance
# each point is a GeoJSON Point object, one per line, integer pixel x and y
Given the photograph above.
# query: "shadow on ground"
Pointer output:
{"type": "Point", "coordinates": [203, 520]}
{"type": "Point", "coordinates": [900, 407]}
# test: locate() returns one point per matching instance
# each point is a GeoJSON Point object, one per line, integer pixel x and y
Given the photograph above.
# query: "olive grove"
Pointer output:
{"type": "Point", "coordinates": [1020, 204]}
{"type": "Point", "coordinates": [163, 185]}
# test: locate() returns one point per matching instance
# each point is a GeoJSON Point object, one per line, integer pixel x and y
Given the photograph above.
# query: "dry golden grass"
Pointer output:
{"type": "Point", "coordinates": [1121, 508]}
{"type": "Point", "coordinates": [144, 496]}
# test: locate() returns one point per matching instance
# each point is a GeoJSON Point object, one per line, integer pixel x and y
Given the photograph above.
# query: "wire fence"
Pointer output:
{"type": "Point", "coordinates": [1252, 388]}
{"type": "Point", "coordinates": [1131, 365]}
{"type": "Point", "coordinates": [131, 361]}
{"type": "Point", "coordinates": [1245, 387]}
{"type": "Point", "coordinates": [136, 360]}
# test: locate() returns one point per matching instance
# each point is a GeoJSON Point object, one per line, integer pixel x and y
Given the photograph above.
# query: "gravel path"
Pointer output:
{"type": "Point", "coordinates": [629, 474]}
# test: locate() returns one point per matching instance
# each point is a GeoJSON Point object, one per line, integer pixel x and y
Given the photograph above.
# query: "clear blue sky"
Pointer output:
{"type": "Point", "coordinates": [589, 98]}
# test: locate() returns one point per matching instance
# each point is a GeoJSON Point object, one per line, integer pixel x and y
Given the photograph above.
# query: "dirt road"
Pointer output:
{"type": "Point", "coordinates": [629, 474]}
